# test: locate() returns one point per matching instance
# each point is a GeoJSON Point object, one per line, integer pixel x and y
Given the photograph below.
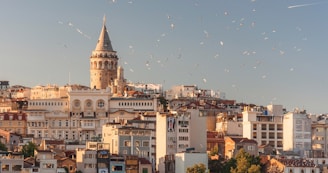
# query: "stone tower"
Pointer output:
{"type": "Point", "coordinates": [103, 62]}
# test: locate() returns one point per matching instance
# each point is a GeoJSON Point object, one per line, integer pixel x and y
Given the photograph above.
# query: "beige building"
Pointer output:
{"type": "Point", "coordinates": [319, 132]}
{"type": "Point", "coordinates": [93, 158]}
{"type": "Point", "coordinates": [128, 140]}
{"type": "Point", "coordinates": [234, 144]}
{"type": "Point", "coordinates": [45, 161]}
{"type": "Point", "coordinates": [264, 125]}
{"type": "Point", "coordinates": [77, 117]}
{"type": "Point", "coordinates": [11, 162]}
{"type": "Point", "coordinates": [13, 122]}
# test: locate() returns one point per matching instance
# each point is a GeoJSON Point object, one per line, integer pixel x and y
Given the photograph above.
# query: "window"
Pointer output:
{"type": "Point", "coordinates": [127, 143]}
{"type": "Point", "coordinates": [88, 103]}
{"type": "Point", "coordinates": [144, 170]}
{"type": "Point", "coordinates": [17, 167]}
{"type": "Point", "coordinates": [76, 103]}
{"type": "Point", "coordinates": [251, 148]}
{"type": "Point", "coordinates": [5, 168]}
{"type": "Point", "coordinates": [125, 152]}
{"type": "Point", "coordinates": [117, 168]}
{"type": "Point", "coordinates": [101, 103]}
{"type": "Point", "coordinates": [145, 143]}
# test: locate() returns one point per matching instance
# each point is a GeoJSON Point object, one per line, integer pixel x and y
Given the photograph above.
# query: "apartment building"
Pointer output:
{"type": "Point", "coordinates": [319, 132]}
{"type": "Point", "coordinates": [13, 122]}
{"type": "Point", "coordinates": [45, 161]}
{"type": "Point", "coordinates": [264, 125]}
{"type": "Point", "coordinates": [94, 158]}
{"type": "Point", "coordinates": [11, 162]}
{"type": "Point", "coordinates": [177, 132]}
{"type": "Point", "coordinates": [129, 140]}
{"type": "Point", "coordinates": [297, 133]}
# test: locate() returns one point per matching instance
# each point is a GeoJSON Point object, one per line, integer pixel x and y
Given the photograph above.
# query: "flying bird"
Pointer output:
{"type": "Point", "coordinates": [302, 5]}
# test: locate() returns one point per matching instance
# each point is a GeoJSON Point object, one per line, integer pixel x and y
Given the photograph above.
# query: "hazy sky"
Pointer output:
{"type": "Point", "coordinates": [255, 51]}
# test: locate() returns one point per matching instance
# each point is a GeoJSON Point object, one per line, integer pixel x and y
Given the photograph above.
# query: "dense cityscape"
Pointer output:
{"type": "Point", "coordinates": [117, 126]}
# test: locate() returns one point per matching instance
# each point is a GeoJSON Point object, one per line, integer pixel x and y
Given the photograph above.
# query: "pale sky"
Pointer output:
{"type": "Point", "coordinates": [255, 51]}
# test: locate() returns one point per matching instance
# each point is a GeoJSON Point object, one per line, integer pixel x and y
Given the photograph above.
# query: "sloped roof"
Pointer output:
{"type": "Point", "coordinates": [104, 43]}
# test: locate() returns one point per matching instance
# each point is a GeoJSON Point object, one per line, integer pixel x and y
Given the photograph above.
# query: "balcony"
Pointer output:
{"type": "Point", "coordinates": [87, 128]}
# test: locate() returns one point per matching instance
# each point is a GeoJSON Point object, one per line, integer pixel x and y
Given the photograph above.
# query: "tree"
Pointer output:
{"type": "Point", "coordinates": [215, 165]}
{"type": "Point", "coordinates": [28, 149]}
{"type": "Point", "coordinates": [230, 164]}
{"type": "Point", "coordinates": [242, 165]}
{"type": "Point", "coordinates": [197, 168]}
{"type": "Point", "coordinates": [3, 147]}
{"type": "Point", "coordinates": [214, 151]}
{"type": "Point", "coordinates": [66, 169]}
{"type": "Point", "coordinates": [243, 162]}
{"type": "Point", "coordinates": [254, 169]}
{"type": "Point", "coordinates": [164, 102]}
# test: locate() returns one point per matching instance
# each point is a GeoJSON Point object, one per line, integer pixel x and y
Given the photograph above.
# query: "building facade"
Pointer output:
{"type": "Point", "coordinates": [297, 133]}
{"type": "Point", "coordinates": [177, 132]}
{"type": "Point", "coordinates": [319, 132]}
{"type": "Point", "coordinates": [264, 125]}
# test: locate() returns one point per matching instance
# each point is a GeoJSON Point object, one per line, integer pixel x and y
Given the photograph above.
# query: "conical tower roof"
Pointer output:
{"type": "Point", "coordinates": [104, 43]}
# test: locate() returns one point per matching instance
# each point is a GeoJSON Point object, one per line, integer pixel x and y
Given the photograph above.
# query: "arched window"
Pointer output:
{"type": "Point", "coordinates": [100, 65]}
{"type": "Point", "coordinates": [88, 103]}
{"type": "Point", "coordinates": [111, 65]}
{"type": "Point", "coordinates": [95, 64]}
{"type": "Point", "coordinates": [106, 65]}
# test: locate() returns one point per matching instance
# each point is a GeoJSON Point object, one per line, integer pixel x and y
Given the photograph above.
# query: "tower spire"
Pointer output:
{"type": "Point", "coordinates": [104, 20]}
{"type": "Point", "coordinates": [104, 43]}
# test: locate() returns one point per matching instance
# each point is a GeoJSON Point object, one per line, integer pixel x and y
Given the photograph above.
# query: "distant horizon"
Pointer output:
{"type": "Point", "coordinates": [258, 52]}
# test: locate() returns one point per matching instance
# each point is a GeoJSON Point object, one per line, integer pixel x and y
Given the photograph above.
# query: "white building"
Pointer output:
{"type": "Point", "coordinates": [178, 132]}
{"type": "Point", "coordinates": [297, 133]}
{"type": "Point", "coordinates": [186, 160]}
{"type": "Point", "coordinates": [133, 104]}
{"type": "Point", "coordinates": [264, 125]}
